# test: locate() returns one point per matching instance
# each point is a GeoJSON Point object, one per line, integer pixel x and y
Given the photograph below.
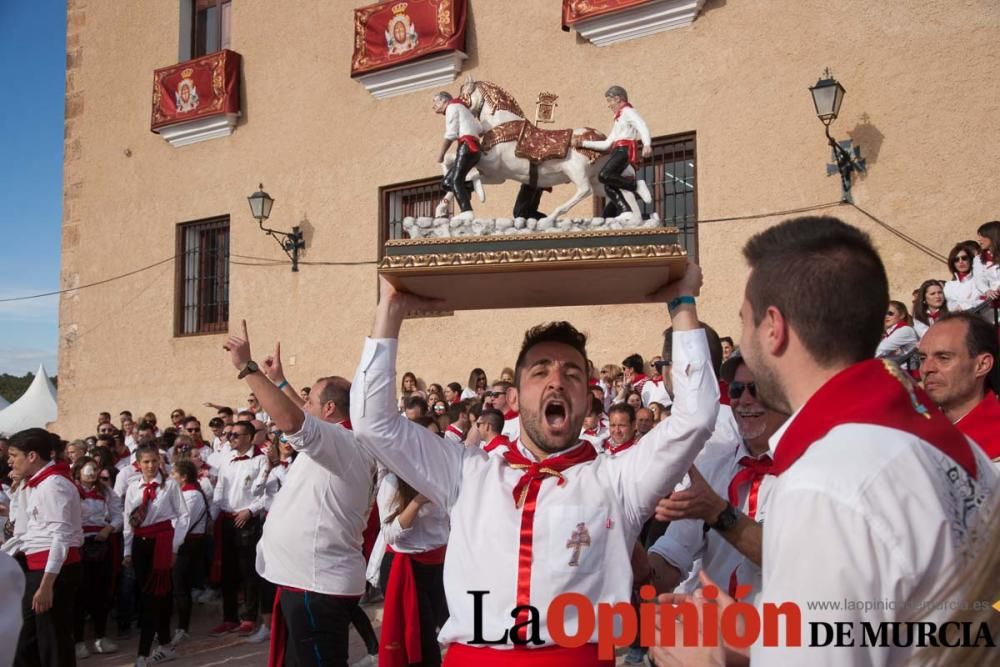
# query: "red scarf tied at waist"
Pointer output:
{"type": "Point", "coordinates": [215, 573]}
{"type": "Point", "coordinates": [890, 399]}
{"type": "Point", "coordinates": [400, 643]}
{"type": "Point", "coordinates": [162, 534]}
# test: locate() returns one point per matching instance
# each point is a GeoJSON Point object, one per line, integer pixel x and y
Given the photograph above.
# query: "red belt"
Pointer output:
{"type": "Point", "coordinates": [400, 643]}
{"type": "Point", "coordinates": [162, 534]}
{"type": "Point", "coordinates": [471, 142]}
{"type": "Point", "coordinates": [92, 529]}
{"type": "Point", "coordinates": [463, 655]}
{"type": "Point", "coordinates": [39, 559]}
{"type": "Point", "coordinates": [633, 150]}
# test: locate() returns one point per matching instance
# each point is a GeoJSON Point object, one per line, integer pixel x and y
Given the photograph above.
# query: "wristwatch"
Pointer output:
{"type": "Point", "coordinates": [248, 368]}
{"type": "Point", "coordinates": [727, 519]}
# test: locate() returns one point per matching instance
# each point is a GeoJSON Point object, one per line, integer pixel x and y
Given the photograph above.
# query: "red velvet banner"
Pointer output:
{"type": "Point", "coordinates": [398, 31]}
{"type": "Point", "coordinates": [574, 11]}
{"type": "Point", "coordinates": [197, 88]}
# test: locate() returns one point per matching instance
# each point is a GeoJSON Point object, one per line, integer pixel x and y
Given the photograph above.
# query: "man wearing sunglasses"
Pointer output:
{"type": "Point", "coordinates": [717, 519]}
{"type": "Point", "coordinates": [511, 420]}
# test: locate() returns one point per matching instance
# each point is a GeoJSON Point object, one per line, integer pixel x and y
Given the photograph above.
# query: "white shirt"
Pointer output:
{"type": "Point", "coordinates": [685, 542]}
{"type": "Point", "coordinates": [512, 428]}
{"type": "Point", "coordinates": [427, 532]}
{"type": "Point", "coordinates": [459, 122]}
{"type": "Point", "coordinates": [452, 434]}
{"type": "Point", "coordinates": [312, 536]}
{"type": "Point", "coordinates": [125, 476]}
{"type": "Point", "coordinates": [629, 125]}
{"type": "Point", "coordinates": [900, 342]}
{"type": "Point", "coordinates": [49, 519]}
{"type": "Point", "coordinates": [611, 497]}
{"type": "Point", "coordinates": [986, 276]}
{"type": "Point", "coordinates": [269, 482]}
{"type": "Point", "coordinates": [962, 294]}
{"type": "Point", "coordinates": [101, 513]}
{"type": "Point", "coordinates": [198, 513]}
{"type": "Point", "coordinates": [655, 392]}
{"type": "Point", "coordinates": [234, 489]}
{"type": "Point", "coordinates": [168, 505]}
{"type": "Point", "coordinates": [11, 591]}
{"type": "Point", "coordinates": [868, 513]}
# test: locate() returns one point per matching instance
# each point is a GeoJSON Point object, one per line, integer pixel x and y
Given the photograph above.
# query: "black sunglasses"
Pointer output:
{"type": "Point", "coordinates": [736, 389]}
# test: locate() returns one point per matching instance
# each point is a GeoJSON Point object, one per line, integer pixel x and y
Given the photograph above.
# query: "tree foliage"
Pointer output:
{"type": "Point", "coordinates": [12, 386]}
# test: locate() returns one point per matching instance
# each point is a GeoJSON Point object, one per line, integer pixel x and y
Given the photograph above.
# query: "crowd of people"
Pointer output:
{"type": "Point", "coordinates": [652, 474]}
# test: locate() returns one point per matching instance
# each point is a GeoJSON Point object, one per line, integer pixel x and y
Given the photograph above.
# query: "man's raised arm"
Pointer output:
{"type": "Point", "coordinates": [652, 469]}
{"type": "Point", "coordinates": [425, 461]}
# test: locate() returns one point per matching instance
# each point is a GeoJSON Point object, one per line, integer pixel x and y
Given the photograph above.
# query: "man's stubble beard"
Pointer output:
{"type": "Point", "coordinates": [530, 424]}
{"type": "Point", "coordinates": [770, 392]}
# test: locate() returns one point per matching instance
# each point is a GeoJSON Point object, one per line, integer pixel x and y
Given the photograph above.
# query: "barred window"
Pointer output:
{"type": "Point", "coordinates": [202, 277]}
{"type": "Point", "coordinates": [671, 177]}
{"type": "Point", "coordinates": [415, 198]}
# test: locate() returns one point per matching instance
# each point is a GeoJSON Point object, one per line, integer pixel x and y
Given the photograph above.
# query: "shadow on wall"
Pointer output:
{"type": "Point", "coordinates": [711, 5]}
{"type": "Point", "coordinates": [869, 138]}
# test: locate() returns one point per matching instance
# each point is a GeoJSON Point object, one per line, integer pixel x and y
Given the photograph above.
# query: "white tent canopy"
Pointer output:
{"type": "Point", "coordinates": [36, 408]}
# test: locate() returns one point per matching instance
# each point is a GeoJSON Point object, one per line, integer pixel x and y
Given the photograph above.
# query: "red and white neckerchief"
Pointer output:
{"type": "Point", "coordinates": [526, 498]}
{"type": "Point", "coordinates": [284, 463]}
{"type": "Point", "coordinates": [499, 441]}
{"type": "Point", "coordinates": [753, 472]}
{"type": "Point", "coordinates": [893, 329]}
{"type": "Point", "coordinates": [92, 493]}
{"type": "Point", "coordinates": [624, 106]}
{"type": "Point", "coordinates": [890, 399]}
{"type": "Point", "coordinates": [149, 491]}
{"type": "Point", "coordinates": [615, 449]}
{"type": "Point", "coordinates": [242, 457]}
{"type": "Point", "coordinates": [933, 317]}
{"type": "Point", "coordinates": [638, 380]}
{"type": "Point", "coordinates": [510, 414]}
{"type": "Point", "coordinates": [190, 487]}
{"type": "Point", "coordinates": [57, 469]}
{"type": "Point", "coordinates": [961, 277]}
{"type": "Point", "coordinates": [454, 429]}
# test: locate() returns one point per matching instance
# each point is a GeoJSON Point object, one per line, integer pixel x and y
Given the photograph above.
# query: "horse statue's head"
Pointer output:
{"type": "Point", "coordinates": [472, 96]}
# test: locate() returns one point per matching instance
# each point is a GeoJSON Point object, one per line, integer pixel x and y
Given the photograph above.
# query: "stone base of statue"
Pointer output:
{"type": "Point", "coordinates": [551, 268]}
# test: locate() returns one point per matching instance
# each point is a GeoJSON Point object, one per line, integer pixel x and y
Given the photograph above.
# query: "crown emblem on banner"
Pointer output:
{"type": "Point", "coordinates": [399, 9]}
{"type": "Point", "coordinates": [186, 73]}
{"type": "Point", "coordinates": [547, 98]}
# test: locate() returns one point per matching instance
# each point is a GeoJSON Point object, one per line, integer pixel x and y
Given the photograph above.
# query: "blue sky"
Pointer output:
{"type": "Point", "coordinates": [33, 57]}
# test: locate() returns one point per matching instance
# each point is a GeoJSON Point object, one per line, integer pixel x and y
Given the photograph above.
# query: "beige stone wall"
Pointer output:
{"type": "Point", "coordinates": [920, 101]}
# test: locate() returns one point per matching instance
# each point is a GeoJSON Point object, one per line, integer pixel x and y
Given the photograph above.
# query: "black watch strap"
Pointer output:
{"type": "Point", "coordinates": [727, 519]}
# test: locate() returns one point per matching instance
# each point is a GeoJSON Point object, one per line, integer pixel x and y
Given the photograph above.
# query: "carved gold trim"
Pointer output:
{"type": "Point", "coordinates": [543, 235]}
{"type": "Point", "coordinates": [517, 259]}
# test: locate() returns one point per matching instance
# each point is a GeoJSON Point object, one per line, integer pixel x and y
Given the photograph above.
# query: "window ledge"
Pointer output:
{"type": "Point", "coordinates": [199, 129]}
{"type": "Point", "coordinates": [429, 72]}
{"type": "Point", "coordinates": [647, 19]}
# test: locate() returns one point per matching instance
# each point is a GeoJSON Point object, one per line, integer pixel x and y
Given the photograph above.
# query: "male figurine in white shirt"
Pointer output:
{"type": "Point", "coordinates": [628, 131]}
{"type": "Point", "coordinates": [548, 516]}
{"type": "Point", "coordinates": [463, 127]}
{"type": "Point", "coordinates": [49, 524]}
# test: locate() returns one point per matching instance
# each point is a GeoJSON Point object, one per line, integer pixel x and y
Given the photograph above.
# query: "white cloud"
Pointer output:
{"type": "Point", "coordinates": [45, 309]}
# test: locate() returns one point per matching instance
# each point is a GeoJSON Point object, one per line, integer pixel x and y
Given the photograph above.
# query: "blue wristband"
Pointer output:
{"type": "Point", "coordinates": [675, 303]}
{"type": "Point", "coordinates": [284, 383]}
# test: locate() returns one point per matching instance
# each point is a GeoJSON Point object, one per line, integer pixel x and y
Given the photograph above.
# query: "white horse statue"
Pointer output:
{"type": "Point", "coordinates": [494, 107]}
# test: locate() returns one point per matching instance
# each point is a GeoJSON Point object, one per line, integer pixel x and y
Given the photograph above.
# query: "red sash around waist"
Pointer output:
{"type": "Point", "coordinates": [633, 150]}
{"type": "Point", "coordinates": [92, 529]}
{"type": "Point", "coordinates": [462, 655]}
{"type": "Point", "coordinates": [471, 142]}
{"type": "Point", "coordinates": [215, 574]}
{"type": "Point", "coordinates": [400, 643]}
{"type": "Point", "coordinates": [39, 559]}
{"type": "Point", "coordinates": [162, 534]}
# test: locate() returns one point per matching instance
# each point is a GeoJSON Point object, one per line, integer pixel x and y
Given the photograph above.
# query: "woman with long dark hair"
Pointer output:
{"type": "Point", "coordinates": [961, 292]}
{"type": "Point", "coordinates": [101, 513]}
{"type": "Point", "coordinates": [929, 306]}
{"type": "Point", "coordinates": [408, 387]}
